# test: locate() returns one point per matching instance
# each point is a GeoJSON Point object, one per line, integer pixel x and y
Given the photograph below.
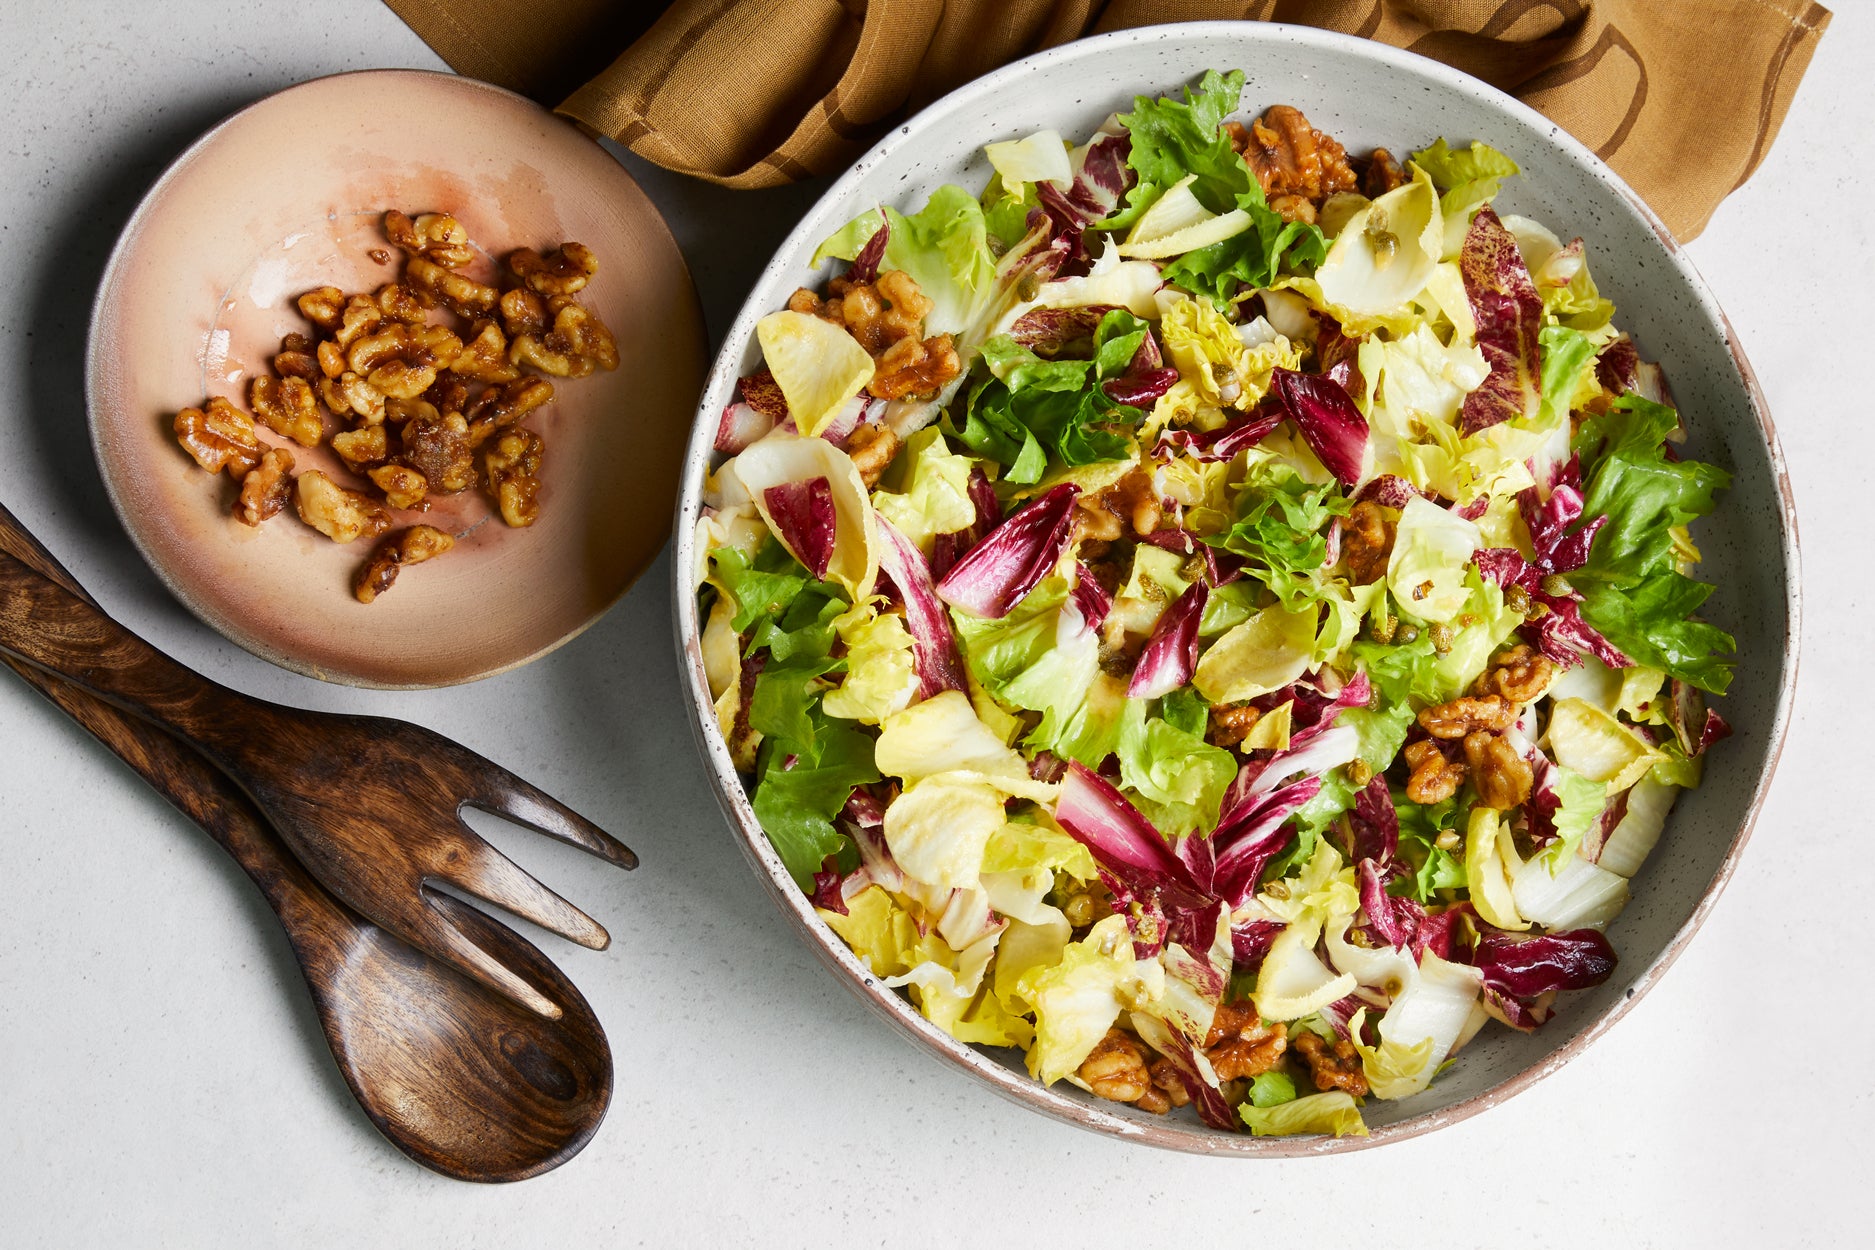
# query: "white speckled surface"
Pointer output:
{"type": "Point", "coordinates": [163, 1077]}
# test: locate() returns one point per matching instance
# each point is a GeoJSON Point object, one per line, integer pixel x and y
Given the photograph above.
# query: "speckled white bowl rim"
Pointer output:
{"type": "Point", "coordinates": [1006, 1077]}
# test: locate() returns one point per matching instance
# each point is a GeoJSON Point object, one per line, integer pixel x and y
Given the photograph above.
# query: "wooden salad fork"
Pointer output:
{"type": "Point", "coordinates": [459, 1077]}
{"type": "Point", "coordinates": [371, 807]}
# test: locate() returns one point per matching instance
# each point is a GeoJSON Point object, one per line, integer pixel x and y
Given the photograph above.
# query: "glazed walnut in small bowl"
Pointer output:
{"type": "Point", "coordinates": [1366, 96]}
{"type": "Point", "coordinates": [322, 356]}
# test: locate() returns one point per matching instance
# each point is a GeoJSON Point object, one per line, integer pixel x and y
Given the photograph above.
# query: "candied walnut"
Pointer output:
{"type": "Point", "coordinates": [1468, 714]}
{"type": "Point", "coordinates": [323, 307]}
{"type": "Point", "coordinates": [1434, 777]}
{"type": "Point", "coordinates": [402, 485]}
{"type": "Point", "coordinates": [1231, 724]}
{"type": "Point", "coordinates": [436, 237]}
{"type": "Point", "coordinates": [1499, 771]}
{"type": "Point", "coordinates": [1093, 524]}
{"type": "Point", "coordinates": [398, 411]}
{"type": "Point", "coordinates": [564, 271]}
{"type": "Point", "coordinates": [401, 361]}
{"type": "Point", "coordinates": [1291, 157]}
{"type": "Point", "coordinates": [266, 488]}
{"type": "Point", "coordinates": [499, 407]}
{"type": "Point", "coordinates": [404, 303]}
{"type": "Point", "coordinates": [413, 546]}
{"type": "Point", "coordinates": [331, 358]}
{"type": "Point", "coordinates": [350, 395]}
{"type": "Point", "coordinates": [911, 367]}
{"type": "Point", "coordinates": [366, 445]}
{"type": "Point", "coordinates": [296, 359]}
{"type": "Point", "coordinates": [439, 450]}
{"type": "Point", "coordinates": [1367, 542]}
{"type": "Point", "coordinates": [219, 436]}
{"type": "Point", "coordinates": [449, 393]}
{"type": "Point", "coordinates": [288, 408]}
{"type": "Point", "coordinates": [1170, 1085]}
{"type": "Point", "coordinates": [523, 312]}
{"type": "Point", "coordinates": [1383, 174]}
{"type": "Point", "coordinates": [1519, 674]}
{"type": "Point", "coordinates": [512, 466]}
{"type": "Point", "coordinates": [528, 350]}
{"type": "Point", "coordinates": [460, 294]}
{"type": "Point", "coordinates": [341, 515]}
{"type": "Point", "coordinates": [485, 356]}
{"type": "Point", "coordinates": [360, 317]}
{"type": "Point", "coordinates": [1241, 1045]}
{"type": "Point", "coordinates": [1116, 1068]}
{"type": "Point", "coordinates": [1338, 1067]}
{"type": "Point", "coordinates": [871, 448]}
{"type": "Point", "coordinates": [1293, 208]}
{"type": "Point", "coordinates": [577, 331]}
{"type": "Point", "coordinates": [1133, 498]}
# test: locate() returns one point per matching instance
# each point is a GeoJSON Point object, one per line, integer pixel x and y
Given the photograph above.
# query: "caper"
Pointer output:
{"type": "Point", "coordinates": [1447, 841]}
{"type": "Point", "coordinates": [1442, 638]}
{"type": "Point", "coordinates": [1556, 586]}
{"type": "Point", "coordinates": [1406, 634]}
{"type": "Point", "coordinates": [1517, 599]}
{"type": "Point", "coordinates": [1359, 774]}
{"type": "Point", "coordinates": [1278, 890]}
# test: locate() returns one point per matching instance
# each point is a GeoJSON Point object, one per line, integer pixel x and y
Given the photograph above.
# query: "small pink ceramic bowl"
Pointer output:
{"type": "Point", "coordinates": [287, 195]}
{"type": "Point", "coordinates": [1367, 95]}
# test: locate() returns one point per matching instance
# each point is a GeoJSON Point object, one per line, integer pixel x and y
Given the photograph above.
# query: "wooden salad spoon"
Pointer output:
{"type": "Point", "coordinates": [459, 1077]}
{"type": "Point", "coordinates": [370, 806]}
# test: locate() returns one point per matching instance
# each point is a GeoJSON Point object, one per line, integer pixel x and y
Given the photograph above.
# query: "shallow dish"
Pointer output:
{"type": "Point", "coordinates": [286, 196]}
{"type": "Point", "coordinates": [1366, 95]}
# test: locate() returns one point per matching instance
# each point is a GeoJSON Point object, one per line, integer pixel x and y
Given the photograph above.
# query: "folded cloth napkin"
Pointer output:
{"type": "Point", "coordinates": [1681, 97]}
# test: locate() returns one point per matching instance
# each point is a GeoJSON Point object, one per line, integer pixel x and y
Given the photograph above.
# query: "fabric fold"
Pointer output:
{"type": "Point", "coordinates": [1682, 99]}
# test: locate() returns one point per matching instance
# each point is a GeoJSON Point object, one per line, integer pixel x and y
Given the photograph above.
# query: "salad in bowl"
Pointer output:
{"type": "Point", "coordinates": [1212, 611]}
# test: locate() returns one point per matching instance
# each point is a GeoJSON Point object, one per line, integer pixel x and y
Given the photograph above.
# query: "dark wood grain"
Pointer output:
{"type": "Point", "coordinates": [462, 1079]}
{"type": "Point", "coordinates": [370, 806]}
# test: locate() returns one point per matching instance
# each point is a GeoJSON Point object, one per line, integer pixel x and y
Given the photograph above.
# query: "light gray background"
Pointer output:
{"type": "Point", "coordinates": [162, 1076]}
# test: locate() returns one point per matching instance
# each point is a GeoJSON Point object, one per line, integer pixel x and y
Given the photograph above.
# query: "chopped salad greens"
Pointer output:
{"type": "Point", "coordinates": [1212, 612]}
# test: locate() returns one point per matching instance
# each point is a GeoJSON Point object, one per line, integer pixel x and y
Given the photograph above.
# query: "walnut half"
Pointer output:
{"type": "Point", "coordinates": [413, 546]}
{"type": "Point", "coordinates": [341, 515]}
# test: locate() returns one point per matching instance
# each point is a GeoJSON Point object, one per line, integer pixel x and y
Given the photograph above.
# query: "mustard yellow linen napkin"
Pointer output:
{"type": "Point", "coordinates": [1681, 97]}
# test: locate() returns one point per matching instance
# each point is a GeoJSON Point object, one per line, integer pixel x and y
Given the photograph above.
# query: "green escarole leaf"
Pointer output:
{"type": "Point", "coordinates": [1632, 589]}
{"type": "Point", "coordinates": [1029, 412]}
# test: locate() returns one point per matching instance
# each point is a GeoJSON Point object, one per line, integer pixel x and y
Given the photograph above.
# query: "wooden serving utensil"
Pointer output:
{"type": "Point", "coordinates": [464, 1080]}
{"type": "Point", "coordinates": [370, 806]}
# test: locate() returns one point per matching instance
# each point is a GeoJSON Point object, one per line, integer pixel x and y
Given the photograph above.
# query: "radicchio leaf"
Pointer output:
{"type": "Point", "coordinates": [1091, 598]}
{"type": "Point", "coordinates": [1146, 377]}
{"type": "Point", "coordinates": [1391, 491]}
{"type": "Point", "coordinates": [1250, 834]}
{"type": "Point", "coordinates": [1509, 313]}
{"type": "Point", "coordinates": [804, 520]}
{"type": "Point", "coordinates": [1060, 333]}
{"type": "Point", "coordinates": [1179, 1052]}
{"type": "Point", "coordinates": [1224, 442]}
{"type": "Point", "coordinates": [1251, 940]}
{"type": "Point", "coordinates": [947, 549]}
{"type": "Point", "coordinates": [1171, 653]}
{"type": "Point", "coordinates": [934, 646]}
{"type": "Point", "coordinates": [1163, 900]}
{"type": "Point", "coordinates": [1560, 632]}
{"type": "Point", "coordinates": [999, 571]}
{"type": "Point", "coordinates": [826, 891]}
{"type": "Point", "coordinates": [1524, 968]}
{"type": "Point", "coordinates": [1439, 933]}
{"type": "Point", "coordinates": [1123, 841]}
{"type": "Point", "coordinates": [1376, 824]}
{"type": "Point", "coordinates": [1103, 178]}
{"type": "Point", "coordinates": [866, 262]}
{"type": "Point", "coordinates": [742, 424]}
{"type": "Point", "coordinates": [1394, 921]}
{"type": "Point", "coordinates": [1329, 422]}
